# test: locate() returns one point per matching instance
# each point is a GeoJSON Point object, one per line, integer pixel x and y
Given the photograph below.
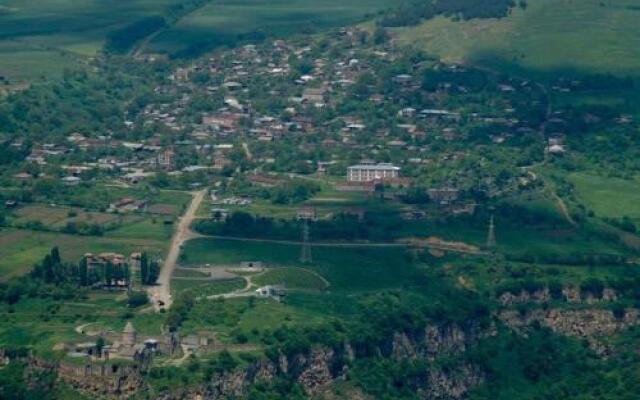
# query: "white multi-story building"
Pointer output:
{"type": "Point", "coordinates": [372, 172]}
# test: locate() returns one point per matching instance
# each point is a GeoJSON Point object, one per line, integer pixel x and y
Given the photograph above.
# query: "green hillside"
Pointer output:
{"type": "Point", "coordinates": [219, 22]}
{"type": "Point", "coordinates": [42, 38]}
{"type": "Point", "coordinates": [585, 35]}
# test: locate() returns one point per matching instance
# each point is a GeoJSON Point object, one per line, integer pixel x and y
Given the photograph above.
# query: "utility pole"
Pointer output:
{"type": "Point", "coordinates": [305, 254]}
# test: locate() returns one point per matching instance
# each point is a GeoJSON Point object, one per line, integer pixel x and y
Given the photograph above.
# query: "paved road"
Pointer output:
{"type": "Point", "coordinates": [161, 292]}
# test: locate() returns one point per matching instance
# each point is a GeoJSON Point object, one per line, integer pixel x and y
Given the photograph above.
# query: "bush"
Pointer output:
{"type": "Point", "coordinates": [137, 299]}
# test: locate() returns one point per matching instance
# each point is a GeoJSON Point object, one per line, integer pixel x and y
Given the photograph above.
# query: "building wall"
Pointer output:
{"type": "Point", "coordinates": [371, 174]}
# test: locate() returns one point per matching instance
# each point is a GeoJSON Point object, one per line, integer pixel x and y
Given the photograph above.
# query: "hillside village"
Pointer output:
{"type": "Point", "coordinates": [290, 108]}
{"type": "Point", "coordinates": [292, 216]}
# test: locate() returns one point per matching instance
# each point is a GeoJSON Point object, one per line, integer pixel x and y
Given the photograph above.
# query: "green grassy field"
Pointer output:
{"type": "Point", "coordinates": [346, 268]}
{"type": "Point", "coordinates": [606, 196]}
{"type": "Point", "coordinates": [585, 35]}
{"type": "Point", "coordinates": [129, 226]}
{"type": "Point", "coordinates": [57, 217]}
{"type": "Point", "coordinates": [293, 278]}
{"type": "Point", "coordinates": [21, 249]}
{"type": "Point", "coordinates": [281, 18]}
{"type": "Point", "coordinates": [42, 38]}
{"type": "Point", "coordinates": [250, 316]}
{"type": "Point", "coordinates": [201, 288]}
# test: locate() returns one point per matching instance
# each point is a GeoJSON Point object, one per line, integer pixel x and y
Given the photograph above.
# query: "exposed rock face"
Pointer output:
{"type": "Point", "coordinates": [448, 339]}
{"type": "Point", "coordinates": [578, 323]}
{"type": "Point", "coordinates": [570, 294]}
{"type": "Point", "coordinates": [315, 370]}
{"type": "Point", "coordinates": [451, 384]}
{"type": "Point", "coordinates": [319, 368]}
{"type": "Point", "coordinates": [104, 380]}
{"type": "Point", "coordinates": [402, 347]}
{"type": "Point", "coordinates": [539, 296]}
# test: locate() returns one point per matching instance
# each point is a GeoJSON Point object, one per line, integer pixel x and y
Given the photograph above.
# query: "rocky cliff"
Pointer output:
{"type": "Point", "coordinates": [317, 369]}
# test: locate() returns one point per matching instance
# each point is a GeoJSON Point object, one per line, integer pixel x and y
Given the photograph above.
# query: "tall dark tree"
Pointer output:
{"type": "Point", "coordinates": [154, 272]}
{"type": "Point", "coordinates": [83, 272]}
{"type": "Point", "coordinates": [144, 268]}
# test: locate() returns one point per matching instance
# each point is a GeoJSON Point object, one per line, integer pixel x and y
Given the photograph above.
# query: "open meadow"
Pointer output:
{"type": "Point", "coordinates": [349, 269]}
{"type": "Point", "coordinates": [587, 36]}
{"type": "Point", "coordinates": [219, 23]}
{"type": "Point", "coordinates": [42, 38]}
{"type": "Point", "coordinates": [21, 249]}
{"type": "Point", "coordinates": [608, 196]}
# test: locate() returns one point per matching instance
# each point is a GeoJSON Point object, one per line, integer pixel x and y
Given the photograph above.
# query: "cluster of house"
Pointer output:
{"type": "Point", "coordinates": [240, 81]}
{"type": "Point", "coordinates": [98, 263]}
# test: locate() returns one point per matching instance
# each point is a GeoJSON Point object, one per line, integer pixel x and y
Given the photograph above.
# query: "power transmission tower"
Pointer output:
{"type": "Point", "coordinates": [491, 235]}
{"type": "Point", "coordinates": [305, 255]}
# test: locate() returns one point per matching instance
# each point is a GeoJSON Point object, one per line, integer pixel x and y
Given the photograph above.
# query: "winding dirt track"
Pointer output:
{"type": "Point", "coordinates": [161, 292]}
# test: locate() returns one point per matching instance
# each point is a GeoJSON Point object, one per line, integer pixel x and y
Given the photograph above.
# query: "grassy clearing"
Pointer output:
{"type": "Point", "coordinates": [144, 228]}
{"type": "Point", "coordinates": [293, 278]}
{"type": "Point", "coordinates": [20, 62]}
{"type": "Point", "coordinates": [126, 226]}
{"type": "Point", "coordinates": [281, 18]}
{"type": "Point", "coordinates": [59, 216]}
{"type": "Point", "coordinates": [589, 36]}
{"type": "Point", "coordinates": [206, 288]}
{"type": "Point", "coordinates": [190, 273]}
{"type": "Point", "coordinates": [247, 315]}
{"type": "Point", "coordinates": [21, 249]}
{"type": "Point", "coordinates": [606, 196]}
{"type": "Point", "coordinates": [347, 268]}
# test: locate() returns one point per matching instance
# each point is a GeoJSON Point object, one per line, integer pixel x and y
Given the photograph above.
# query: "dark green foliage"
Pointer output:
{"type": "Point", "coordinates": [137, 299]}
{"type": "Point", "coordinates": [542, 365]}
{"type": "Point", "coordinates": [19, 382]}
{"type": "Point", "coordinates": [386, 378]}
{"type": "Point", "coordinates": [414, 11]}
{"type": "Point", "coordinates": [144, 268]}
{"type": "Point", "coordinates": [122, 40]}
{"type": "Point", "coordinates": [149, 270]}
{"type": "Point", "coordinates": [154, 272]}
{"type": "Point", "coordinates": [179, 310]}
{"type": "Point", "coordinates": [592, 286]}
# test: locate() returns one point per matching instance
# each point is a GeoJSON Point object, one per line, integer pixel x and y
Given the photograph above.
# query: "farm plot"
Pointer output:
{"type": "Point", "coordinates": [21, 249]}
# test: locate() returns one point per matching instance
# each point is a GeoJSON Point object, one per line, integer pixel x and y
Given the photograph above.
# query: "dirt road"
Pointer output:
{"type": "Point", "coordinates": [161, 292]}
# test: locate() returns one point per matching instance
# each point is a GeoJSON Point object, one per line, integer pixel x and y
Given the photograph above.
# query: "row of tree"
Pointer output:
{"type": "Point", "coordinates": [149, 270]}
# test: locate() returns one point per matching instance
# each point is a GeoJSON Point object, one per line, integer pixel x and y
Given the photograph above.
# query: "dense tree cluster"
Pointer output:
{"type": "Point", "coordinates": [414, 11]}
